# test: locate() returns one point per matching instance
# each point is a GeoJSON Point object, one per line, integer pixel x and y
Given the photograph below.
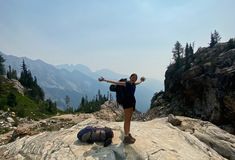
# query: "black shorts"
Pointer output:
{"type": "Point", "coordinates": [129, 103]}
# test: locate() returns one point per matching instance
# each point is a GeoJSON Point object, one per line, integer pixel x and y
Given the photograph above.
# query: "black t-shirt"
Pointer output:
{"type": "Point", "coordinates": [130, 89]}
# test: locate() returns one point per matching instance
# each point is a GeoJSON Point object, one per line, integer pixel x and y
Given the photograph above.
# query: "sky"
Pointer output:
{"type": "Point", "coordinates": [125, 36]}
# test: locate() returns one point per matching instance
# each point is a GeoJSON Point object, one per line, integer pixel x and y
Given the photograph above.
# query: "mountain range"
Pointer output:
{"type": "Point", "coordinates": [77, 81]}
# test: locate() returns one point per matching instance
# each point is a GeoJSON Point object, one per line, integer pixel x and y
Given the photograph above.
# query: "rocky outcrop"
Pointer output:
{"type": "Point", "coordinates": [8, 121]}
{"type": "Point", "coordinates": [204, 88]}
{"type": "Point", "coordinates": [18, 86]}
{"type": "Point", "coordinates": [111, 111]}
{"type": "Point", "coordinates": [15, 83]}
{"type": "Point", "coordinates": [218, 139]}
{"type": "Point", "coordinates": [156, 139]}
{"type": "Point", "coordinates": [21, 127]}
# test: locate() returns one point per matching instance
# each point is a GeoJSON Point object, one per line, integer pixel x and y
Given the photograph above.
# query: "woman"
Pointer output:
{"type": "Point", "coordinates": [129, 103]}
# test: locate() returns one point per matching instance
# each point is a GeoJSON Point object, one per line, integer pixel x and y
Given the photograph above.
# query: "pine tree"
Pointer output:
{"type": "Point", "coordinates": [212, 43]}
{"type": "Point", "coordinates": [82, 104]}
{"type": "Point", "coordinates": [190, 50]}
{"type": "Point", "coordinates": [187, 63]}
{"type": "Point", "coordinates": [11, 73]}
{"type": "Point", "coordinates": [186, 50]}
{"type": "Point", "coordinates": [24, 68]}
{"type": "Point", "coordinates": [25, 76]}
{"type": "Point", "coordinates": [188, 55]}
{"type": "Point", "coordinates": [99, 95]}
{"type": "Point", "coordinates": [215, 38]}
{"type": "Point", "coordinates": [231, 44]}
{"type": "Point", "coordinates": [2, 68]}
{"type": "Point", "coordinates": [14, 74]}
{"type": "Point", "coordinates": [51, 106]}
{"type": "Point", "coordinates": [177, 52]}
{"type": "Point", "coordinates": [86, 99]}
{"type": "Point", "coordinates": [33, 89]}
{"type": "Point", "coordinates": [92, 105]}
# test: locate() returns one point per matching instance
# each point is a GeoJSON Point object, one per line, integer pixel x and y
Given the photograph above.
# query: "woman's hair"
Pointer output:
{"type": "Point", "coordinates": [133, 74]}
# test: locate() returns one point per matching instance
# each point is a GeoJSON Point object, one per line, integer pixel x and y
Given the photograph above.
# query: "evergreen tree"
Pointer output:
{"type": "Point", "coordinates": [212, 43]}
{"type": "Point", "coordinates": [36, 92]}
{"type": "Point", "coordinates": [99, 95]}
{"type": "Point", "coordinates": [35, 81]}
{"type": "Point", "coordinates": [82, 104]}
{"type": "Point", "coordinates": [104, 98]}
{"type": "Point", "coordinates": [186, 50]}
{"type": "Point", "coordinates": [2, 68]}
{"type": "Point", "coordinates": [215, 38]}
{"type": "Point", "coordinates": [48, 107]}
{"type": "Point", "coordinates": [188, 55]}
{"type": "Point", "coordinates": [187, 63]}
{"type": "Point", "coordinates": [33, 89]}
{"type": "Point", "coordinates": [177, 52]}
{"type": "Point", "coordinates": [86, 99]}
{"type": "Point", "coordinates": [191, 50]}
{"type": "Point", "coordinates": [11, 73]}
{"type": "Point", "coordinates": [231, 44]}
{"type": "Point", "coordinates": [14, 74]}
{"type": "Point", "coordinates": [92, 105]}
{"type": "Point", "coordinates": [25, 76]}
{"type": "Point", "coordinates": [51, 106]}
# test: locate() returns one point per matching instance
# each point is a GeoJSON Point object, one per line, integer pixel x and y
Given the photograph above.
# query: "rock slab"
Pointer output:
{"type": "Point", "coordinates": [155, 139]}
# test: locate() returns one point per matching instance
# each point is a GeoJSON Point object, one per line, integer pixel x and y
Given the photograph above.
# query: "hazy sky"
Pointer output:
{"type": "Point", "coordinates": [122, 35]}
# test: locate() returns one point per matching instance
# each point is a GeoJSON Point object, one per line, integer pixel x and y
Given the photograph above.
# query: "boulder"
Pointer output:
{"type": "Point", "coordinates": [10, 120]}
{"type": "Point", "coordinates": [173, 120]}
{"type": "Point", "coordinates": [218, 139]}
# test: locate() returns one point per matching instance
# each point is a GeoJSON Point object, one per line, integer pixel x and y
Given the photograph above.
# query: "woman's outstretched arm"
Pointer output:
{"type": "Point", "coordinates": [142, 79]}
{"type": "Point", "coordinates": [111, 81]}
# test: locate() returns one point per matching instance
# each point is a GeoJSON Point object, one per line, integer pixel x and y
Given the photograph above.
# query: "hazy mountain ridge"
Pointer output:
{"type": "Point", "coordinates": [77, 81]}
{"type": "Point", "coordinates": [151, 84]}
{"type": "Point", "coordinates": [57, 83]}
{"type": "Point", "coordinates": [144, 92]}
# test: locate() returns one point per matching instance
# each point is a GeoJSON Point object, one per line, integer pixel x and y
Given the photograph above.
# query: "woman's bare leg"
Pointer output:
{"type": "Point", "coordinates": [127, 120]}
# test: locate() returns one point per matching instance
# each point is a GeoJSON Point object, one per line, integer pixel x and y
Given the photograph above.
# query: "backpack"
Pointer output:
{"type": "Point", "coordinates": [91, 134]}
{"type": "Point", "coordinates": [120, 91]}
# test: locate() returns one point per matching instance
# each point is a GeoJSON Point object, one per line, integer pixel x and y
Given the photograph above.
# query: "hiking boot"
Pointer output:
{"type": "Point", "coordinates": [128, 140]}
{"type": "Point", "coordinates": [132, 137]}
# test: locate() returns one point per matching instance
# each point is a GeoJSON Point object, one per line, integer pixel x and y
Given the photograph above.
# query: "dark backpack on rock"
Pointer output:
{"type": "Point", "coordinates": [91, 134]}
{"type": "Point", "coordinates": [120, 91]}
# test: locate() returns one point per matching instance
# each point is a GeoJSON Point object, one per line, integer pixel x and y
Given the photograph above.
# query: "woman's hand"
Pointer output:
{"type": "Point", "coordinates": [101, 79]}
{"type": "Point", "coordinates": [142, 79]}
